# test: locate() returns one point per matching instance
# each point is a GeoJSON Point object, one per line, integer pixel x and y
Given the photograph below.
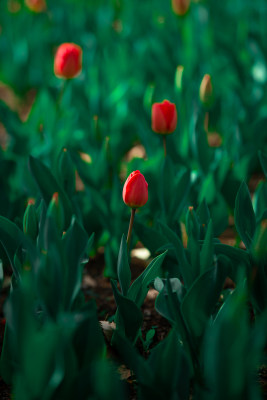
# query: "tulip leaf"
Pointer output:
{"type": "Point", "coordinates": [1, 274]}
{"type": "Point", "coordinates": [162, 304]}
{"type": "Point", "coordinates": [88, 339]}
{"type": "Point", "coordinates": [230, 374]}
{"type": "Point", "coordinates": [51, 281]}
{"type": "Point", "coordinates": [237, 257]}
{"type": "Point", "coordinates": [166, 184]}
{"type": "Point", "coordinates": [76, 243]}
{"type": "Point", "coordinates": [260, 200]}
{"type": "Point", "coordinates": [168, 304]}
{"type": "Point", "coordinates": [200, 300]}
{"type": "Point", "coordinates": [131, 357]}
{"type": "Point", "coordinates": [245, 219]}
{"type": "Point", "coordinates": [150, 237]}
{"type": "Point", "coordinates": [207, 250]}
{"type": "Point", "coordinates": [201, 149]}
{"type": "Point", "coordinates": [193, 246]}
{"type": "Point", "coordinates": [181, 187]}
{"type": "Point", "coordinates": [11, 238]}
{"type": "Point", "coordinates": [66, 172]}
{"type": "Point", "coordinates": [123, 268]}
{"type": "Point", "coordinates": [139, 288]}
{"type": "Point", "coordinates": [184, 265]}
{"type": "Point", "coordinates": [203, 213]}
{"type": "Point", "coordinates": [173, 381]}
{"type": "Point", "coordinates": [129, 318]}
{"type": "Point", "coordinates": [48, 186]}
{"type": "Point", "coordinates": [260, 289]}
{"type": "Point", "coordinates": [263, 161]}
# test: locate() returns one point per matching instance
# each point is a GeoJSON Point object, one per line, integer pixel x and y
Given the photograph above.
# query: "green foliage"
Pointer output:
{"type": "Point", "coordinates": [128, 317]}
{"type": "Point", "coordinates": [244, 216]}
{"type": "Point", "coordinates": [52, 341]}
{"type": "Point", "coordinates": [166, 373]}
{"type": "Point", "coordinates": [80, 138]}
{"type": "Point", "coordinates": [231, 352]}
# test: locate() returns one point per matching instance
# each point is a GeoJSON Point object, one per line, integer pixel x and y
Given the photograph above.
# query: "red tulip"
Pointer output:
{"type": "Point", "coordinates": [164, 117]}
{"type": "Point", "coordinates": [180, 7]}
{"type": "Point", "coordinates": [68, 61]}
{"type": "Point", "coordinates": [37, 6]}
{"type": "Point", "coordinates": [135, 193]}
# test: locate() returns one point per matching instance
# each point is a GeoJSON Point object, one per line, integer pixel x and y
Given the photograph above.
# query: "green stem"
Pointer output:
{"type": "Point", "coordinates": [61, 92]}
{"type": "Point", "coordinates": [164, 145]}
{"type": "Point", "coordinates": [130, 228]}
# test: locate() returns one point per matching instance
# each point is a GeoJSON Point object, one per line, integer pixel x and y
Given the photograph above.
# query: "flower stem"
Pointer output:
{"type": "Point", "coordinates": [61, 92]}
{"type": "Point", "coordinates": [164, 145]}
{"type": "Point", "coordinates": [130, 228]}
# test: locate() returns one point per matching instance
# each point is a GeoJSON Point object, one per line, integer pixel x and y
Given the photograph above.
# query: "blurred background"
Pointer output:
{"type": "Point", "coordinates": [134, 54]}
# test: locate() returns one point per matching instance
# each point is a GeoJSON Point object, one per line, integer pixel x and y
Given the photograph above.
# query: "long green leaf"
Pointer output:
{"type": "Point", "coordinates": [48, 186]}
{"type": "Point", "coordinates": [263, 161]}
{"type": "Point", "coordinates": [200, 300]}
{"type": "Point", "coordinates": [185, 266]}
{"type": "Point", "coordinates": [11, 238]}
{"type": "Point", "coordinates": [138, 290]}
{"type": "Point", "coordinates": [207, 251]}
{"type": "Point", "coordinates": [245, 219]}
{"type": "Point", "coordinates": [123, 268]}
{"type": "Point", "coordinates": [130, 316]}
{"type": "Point", "coordinates": [75, 243]}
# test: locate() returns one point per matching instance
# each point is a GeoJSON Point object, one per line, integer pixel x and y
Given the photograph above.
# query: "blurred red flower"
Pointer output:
{"type": "Point", "coordinates": [37, 6]}
{"type": "Point", "coordinates": [164, 117]}
{"type": "Point", "coordinates": [68, 61]}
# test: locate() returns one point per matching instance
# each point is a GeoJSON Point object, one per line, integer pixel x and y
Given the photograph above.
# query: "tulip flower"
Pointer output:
{"type": "Point", "coordinates": [36, 6]}
{"type": "Point", "coordinates": [68, 61]}
{"type": "Point", "coordinates": [206, 90]}
{"type": "Point", "coordinates": [164, 119]}
{"type": "Point", "coordinates": [135, 195]}
{"type": "Point", "coordinates": [180, 7]}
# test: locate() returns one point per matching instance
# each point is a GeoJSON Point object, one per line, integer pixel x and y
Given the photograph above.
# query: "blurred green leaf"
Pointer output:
{"type": "Point", "coordinates": [228, 373]}
{"type": "Point", "coordinates": [200, 300]}
{"type": "Point", "coordinates": [263, 161]}
{"type": "Point", "coordinates": [48, 186]}
{"type": "Point", "coordinates": [11, 237]}
{"type": "Point", "coordinates": [245, 219]}
{"type": "Point", "coordinates": [184, 265]}
{"type": "Point", "coordinates": [207, 250]}
{"type": "Point", "coordinates": [30, 222]}
{"type": "Point", "coordinates": [75, 243]}
{"type": "Point", "coordinates": [123, 268]}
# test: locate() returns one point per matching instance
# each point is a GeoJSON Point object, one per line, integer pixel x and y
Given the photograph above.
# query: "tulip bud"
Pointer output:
{"type": "Point", "coordinates": [164, 117]}
{"type": "Point", "coordinates": [36, 6]}
{"type": "Point", "coordinates": [206, 90]}
{"type": "Point", "coordinates": [68, 61]}
{"type": "Point", "coordinates": [180, 7]}
{"type": "Point", "coordinates": [179, 77]}
{"type": "Point", "coordinates": [135, 193]}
